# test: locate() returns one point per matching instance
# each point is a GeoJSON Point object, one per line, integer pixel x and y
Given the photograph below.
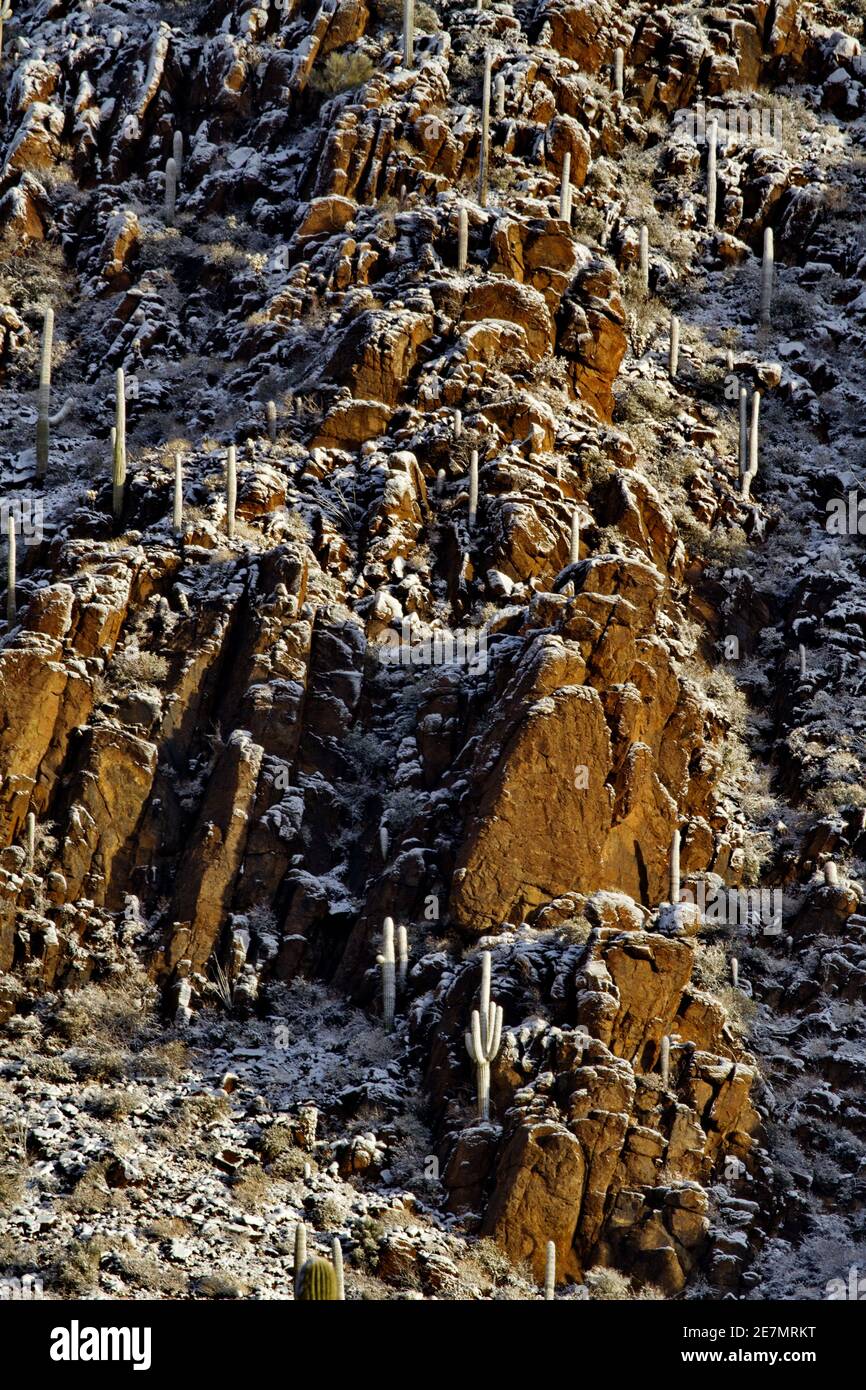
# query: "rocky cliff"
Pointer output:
{"type": "Point", "coordinates": [440, 507]}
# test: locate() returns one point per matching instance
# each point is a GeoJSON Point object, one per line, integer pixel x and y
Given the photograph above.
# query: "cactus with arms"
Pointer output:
{"type": "Point", "coordinates": [483, 1040]}
{"type": "Point", "coordinates": [318, 1282]}
{"type": "Point", "coordinates": [387, 961]}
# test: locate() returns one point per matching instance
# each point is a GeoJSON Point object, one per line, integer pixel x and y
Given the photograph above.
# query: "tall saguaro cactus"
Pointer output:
{"type": "Point", "coordinates": [752, 469]}
{"type": "Point", "coordinates": [550, 1271]}
{"type": "Point", "coordinates": [43, 428]}
{"type": "Point", "coordinates": [484, 1038]}
{"type": "Point", "coordinates": [119, 446]}
{"type": "Point", "coordinates": [177, 152]}
{"type": "Point", "coordinates": [499, 94]}
{"type": "Point", "coordinates": [674, 348]}
{"type": "Point", "coordinates": [767, 279]}
{"type": "Point", "coordinates": [675, 867]}
{"type": "Point", "coordinates": [317, 1282]}
{"type": "Point", "coordinates": [744, 431]}
{"type": "Point", "coordinates": [231, 490]}
{"type": "Point", "coordinates": [31, 840]}
{"type": "Point", "coordinates": [462, 239]}
{"type": "Point", "coordinates": [387, 961]}
{"type": "Point", "coordinates": [300, 1254]}
{"type": "Point", "coordinates": [337, 1253]}
{"type": "Point", "coordinates": [574, 550]}
{"type": "Point", "coordinates": [484, 160]}
{"type": "Point", "coordinates": [402, 956]}
{"type": "Point", "coordinates": [619, 71]}
{"type": "Point", "coordinates": [10, 569]}
{"type": "Point", "coordinates": [271, 415]}
{"type": "Point", "coordinates": [170, 190]}
{"type": "Point", "coordinates": [565, 188]}
{"type": "Point", "coordinates": [408, 34]}
{"type": "Point", "coordinates": [473, 488]}
{"type": "Point", "coordinates": [177, 509]}
{"type": "Point", "coordinates": [666, 1061]}
{"type": "Point", "coordinates": [644, 258]}
{"type": "Point", "coordinates": [712, 137]}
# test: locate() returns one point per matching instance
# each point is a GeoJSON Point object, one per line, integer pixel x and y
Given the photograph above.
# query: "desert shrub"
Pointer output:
{"type": "Point", "coordinates": [137, 668]}
{"type": "Point", "coordinates": [741, 1010]}
{"type": "Point", "coordinates": [610, 1285]}
{"type": "Point", "coordinates": [150, 1273]}
{"type": "Point", "coordinates": [710, 970]}
{"type": "Point", "coordinates": [219, 1285]}
{"type": "Point", "coordinates": [91, 1193]}
{"type": "Point", "coordinates": [576, 931]}
{"type": "Point", "coordinates": [342, 72]}
{"type": "Point", "coordinates": [79, 1272]}
{"type": "Point", "coordinates": [252, 1188]}
{"type": "Point", "coordinates": [109, 1105]}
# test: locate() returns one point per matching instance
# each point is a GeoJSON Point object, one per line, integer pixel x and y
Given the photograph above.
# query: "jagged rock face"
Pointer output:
{"type": "Point", "coordinates": [246, 740]}
{"type": "Point", "coordinates": [596, 1152]}
{"type": "Point", "coordinates": [595, 753]}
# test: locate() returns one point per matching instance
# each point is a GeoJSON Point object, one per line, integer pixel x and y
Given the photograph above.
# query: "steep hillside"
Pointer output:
{"type": "Point", "coordinates": [434, 576]}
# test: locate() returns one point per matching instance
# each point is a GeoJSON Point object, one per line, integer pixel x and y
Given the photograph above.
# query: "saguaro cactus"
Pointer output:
{"type": "Point", "coordinates": [712, 138]}
{"type": "Point", "coordinates": [462, 239]}
{"type": "Point", "coordinates": [665, 1058]}
{"type": "Point", "coordinates": [318, 1282]}
{"type": "Point", "coordinates": [752, 468]}
{"type": "Point", "coordinates": [484, 160]}
{"type": "Point", "coordinates": [387, 961]}
{"type": "Point", "coordinates": [644, 258]}
{"type": "Point", "coordinates": [271, 414]}
{"type": "Point", "coordinates": [408, 33]}
{"type": "Point", "coordinates": [565, 188]}
{"type": "Point", "coordinates": [802, 655]}
{"type": "Point", "coordinates": [177, 152]}
{"type": "Point", "coordinates": [735, 972]}
{"type": "Point", "coordinates": [675, 867]}
{"type": "Point", "coordinates": [831, 874]}
{"type": "Point", "coordinates": [767, 279]}
{"type": "Point", "coordinates": [499, 94]}
{"type": "Point", "coordinates": [473, 488]}
{"type": "Point", "coordinates": [170, 190]}
{"type": "Point", "coordinates": [231, 490]}
{"type": "Point", "coordinates": [457, 417]}
{"type": "Point", "coordinates": [482, 1042]}
{"type": "Point", "coordinates": [300, 1253]}
{"type": "Point", "coordinates": [31, 840]}
{"type": "Point", "coordinates": [337, 1253]}
{"type": "Point", "coordinates": [10, 569]}
{"type": "Point", "coordinates": [674, 348]}
{"type": "Point", "coordinates": [550, 1270]}
{"type": "Point", "coordinates": [744, 431]}
{"type": "Point", "coordinates": [177, 509]}
{"type": "Point", "coordinates": [754, 432]}
{"type": "Point", "coordinates": [402, 956]}
{"type": "Point", "coordinates": [43, 430]}
{"type": "Point", "coordinates": [619, 71]}
{"type": "Point", "coordinates": [119, 446]}
{"type": "Point", "coordinates": [574, 554]}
